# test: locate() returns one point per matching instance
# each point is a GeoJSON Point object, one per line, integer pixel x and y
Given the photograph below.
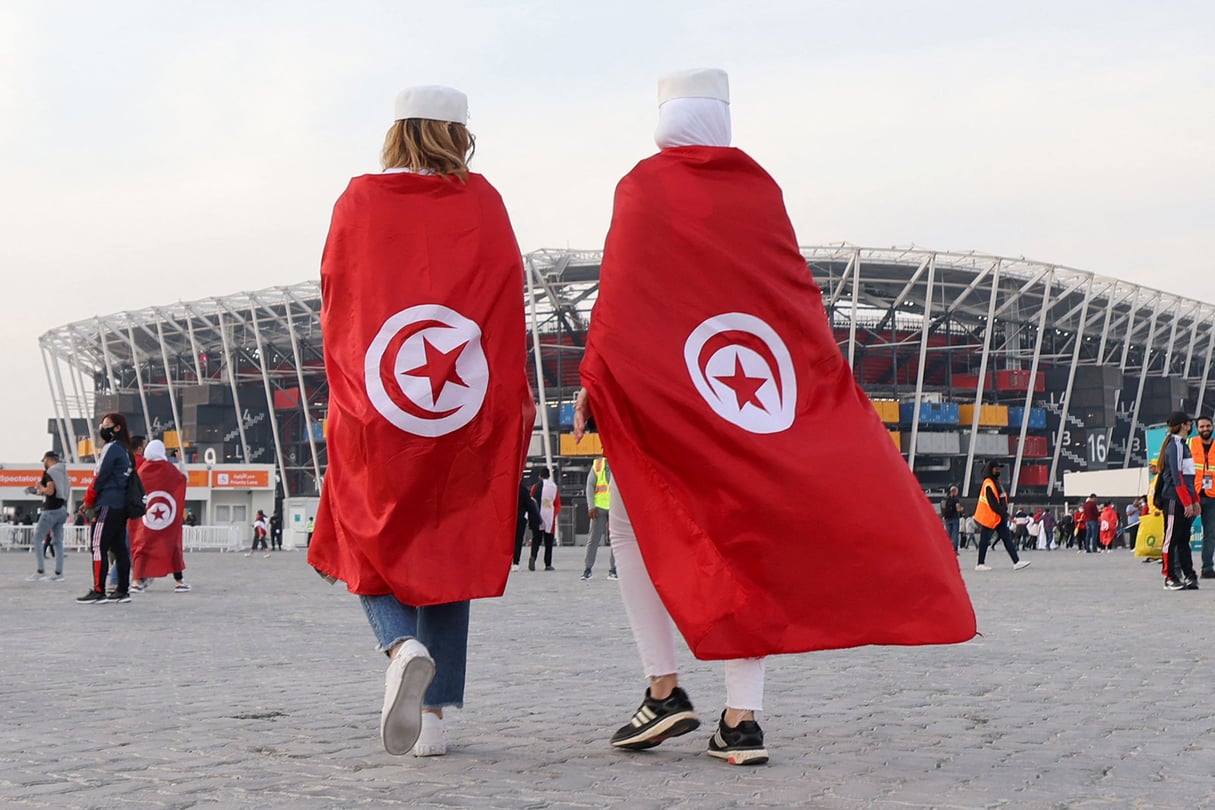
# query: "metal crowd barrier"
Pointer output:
{"type": "Point", "coordinates": [76, 538]}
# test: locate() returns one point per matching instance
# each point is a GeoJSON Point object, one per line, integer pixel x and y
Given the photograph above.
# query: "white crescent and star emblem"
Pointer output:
{"type": "Point", "coordinates": [743, 370]}
{"type": "Point", "coordinates": [161, 510]}
{"type": "Point", "coordinates": [426, 371]}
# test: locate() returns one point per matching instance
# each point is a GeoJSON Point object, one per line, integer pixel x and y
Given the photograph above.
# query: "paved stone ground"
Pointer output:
{"type": "Point", "coordinates": [1090, 687]}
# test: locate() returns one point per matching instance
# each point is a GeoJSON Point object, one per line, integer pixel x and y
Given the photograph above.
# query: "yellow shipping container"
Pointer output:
{"type": "Point", "coordinates": [589, 446]}
{"type": "Point", "coordinates": [898, 439]}
{"type": "Point", "coordinates": [171, 440]}
{"type": "Point", "coordinates": [887, 410]}
{"type": "Point", "coordinates": [84, 447]}
{"type": "Point", "coordinates": [989, 415]}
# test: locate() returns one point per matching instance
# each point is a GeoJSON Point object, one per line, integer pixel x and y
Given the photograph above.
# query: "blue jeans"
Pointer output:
{"type": "Point", "coordinates": [951, 526]}
{"type": "Point", "coordinates": [51, 520]}
{"type": "Point", "coordinates": [443, 629]}
{"type": "Point", "coordinates": [1092, 535]}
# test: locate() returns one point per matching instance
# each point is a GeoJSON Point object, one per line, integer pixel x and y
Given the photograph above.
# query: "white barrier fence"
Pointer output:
{"type": "Point", "coordinates": [76, 538]}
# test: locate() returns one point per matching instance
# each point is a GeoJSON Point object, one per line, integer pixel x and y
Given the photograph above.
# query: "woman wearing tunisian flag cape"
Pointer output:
{"type": "Point", "coordinates": [429, 407]}
{"type": "Point", "coordinates": [156, 537]}
{"type": "Point", "coordinates": [725, 408]}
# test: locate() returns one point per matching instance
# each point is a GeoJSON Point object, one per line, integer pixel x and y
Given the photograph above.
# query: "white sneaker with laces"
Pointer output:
{"type": "Point", "coordinates": [405, 682]}
{"type": "Point", "coordinates": [432, 742]}
{"type": "Point", "coordinates": [982, 567]}
{"type": "Point", "coordinates": [1019, 565]}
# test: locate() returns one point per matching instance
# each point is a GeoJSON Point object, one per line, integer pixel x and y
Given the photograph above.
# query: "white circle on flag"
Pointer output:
{"type": "Point", "coordinates": [743, 371]}
{"type": "Point", "coordinates": [161, 510]}
{"type": "Point", "coordinates": [425, 370]}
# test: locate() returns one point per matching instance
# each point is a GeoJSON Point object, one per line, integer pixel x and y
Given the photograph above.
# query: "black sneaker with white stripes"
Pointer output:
{"type": "Point", "coordinates": [741, 745]}
{"type": "Point", "coordinates": [657, 720]}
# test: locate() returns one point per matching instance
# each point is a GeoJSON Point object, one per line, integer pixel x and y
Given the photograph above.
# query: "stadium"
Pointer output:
{"type": "Point", "coordinates": [967, 356]}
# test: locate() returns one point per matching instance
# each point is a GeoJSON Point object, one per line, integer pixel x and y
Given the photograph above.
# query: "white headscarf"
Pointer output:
{"type": "Point", "coordinates": [155, 451]}
{"type": "Point", "coordinates": [693, 122]}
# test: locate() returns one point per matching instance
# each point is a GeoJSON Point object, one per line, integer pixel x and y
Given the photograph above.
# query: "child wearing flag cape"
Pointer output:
{"type": "Point", "coordinates": [724, 406]}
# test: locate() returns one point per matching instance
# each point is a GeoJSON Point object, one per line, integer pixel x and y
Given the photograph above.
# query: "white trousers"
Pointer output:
{"type": "Point", "coordinates": [652, 626]}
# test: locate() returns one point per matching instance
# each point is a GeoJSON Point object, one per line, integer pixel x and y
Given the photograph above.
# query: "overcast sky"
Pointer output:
{"type": "Point", "coordinates": [160, 151]}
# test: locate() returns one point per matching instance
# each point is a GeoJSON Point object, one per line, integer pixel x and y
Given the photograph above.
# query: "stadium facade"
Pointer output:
{"type": "Point", "coordinates": [966, 356]}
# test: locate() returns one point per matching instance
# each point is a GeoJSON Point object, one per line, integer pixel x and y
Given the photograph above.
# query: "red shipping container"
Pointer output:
{"type": "Point", "coordinates": [286, 399]}
{"type": "Point", "coordinates": [971, 381]}
{"type": "Point", "coordinates": [1018, 380]}
{"type": "Point", "coordinates": [1035, 446]}
{"type": "Point", "coordinates": [1034, 475]}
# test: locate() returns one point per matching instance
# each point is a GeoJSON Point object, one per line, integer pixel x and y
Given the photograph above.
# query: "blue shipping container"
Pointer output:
{"type": "Point", "coordinates": [567, 414]}
{"type": "Point", "coordinates": [1037, 417]}
{"type": "Point", "coordinates": [931, 413]}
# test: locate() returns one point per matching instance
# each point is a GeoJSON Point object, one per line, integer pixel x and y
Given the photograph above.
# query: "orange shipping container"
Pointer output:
{"type": "Point", "coordinates": [589, 446]}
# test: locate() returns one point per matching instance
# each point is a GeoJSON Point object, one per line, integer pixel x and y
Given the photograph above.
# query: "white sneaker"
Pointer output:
{"type": "Point", "coordinates": [432, 742]}
{"type": "Point", "coordinates": [405, 682]}
{"type": "Point", "coordinates": [35, 578]}
{"type": "Point", "coordinates": [982, 567]}
{"type": "Point", "coordinates": [515, 567]}
{"type": "Point", "coordinates": [1023, 564]}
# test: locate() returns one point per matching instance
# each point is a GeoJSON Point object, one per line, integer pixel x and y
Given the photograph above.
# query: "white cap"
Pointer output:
{"type": "Point", "coordinates": [433, 102]}
{"type": "Point", "coordinates": [695, 83]}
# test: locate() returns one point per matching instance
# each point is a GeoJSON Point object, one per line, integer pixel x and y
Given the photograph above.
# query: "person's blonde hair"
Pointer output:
{"type": "Point", "coordinates": [419, 144]}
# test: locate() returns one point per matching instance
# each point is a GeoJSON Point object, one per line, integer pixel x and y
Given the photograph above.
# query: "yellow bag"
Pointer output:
{"type": "Point", "coordinates": [1149, 542]}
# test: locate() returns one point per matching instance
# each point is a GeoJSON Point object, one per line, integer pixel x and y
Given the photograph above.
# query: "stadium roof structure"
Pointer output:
{"type": "Point", "coordinates": [910, 321]}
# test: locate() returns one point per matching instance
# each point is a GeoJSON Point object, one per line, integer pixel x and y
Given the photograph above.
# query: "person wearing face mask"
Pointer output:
{"type": "Point", "coordinates": [991, 513]}
{"type": "Point", "coordinates": [106, 501]}
{"type": "Point", "coordinates": [1202, 448]}
{"type": "Point", "coordinates": [708, 357]}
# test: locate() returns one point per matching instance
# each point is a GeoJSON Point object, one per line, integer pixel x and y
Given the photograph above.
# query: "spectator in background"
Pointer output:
{"type": "Point", "coordinates": [260, 531]}
{"type": "Point", "coordinates": [1092, 524]}
{"type": "Point", "coordinates": [1204, 482]}
{"type": "Point", "coordinates": [1066, 529]}
{"type": "Point", "coordinates": [1133, 510]}
{"type": "Point", "coordinates": [599, 504]}
{"type": "Point", "coordinates": [1180, 504]}
{"type": "Point", "coordinates": [528, 518]}
{"type": "Point", "coordinates": [545, 493]}
{"type": "Point", "coordinates": [106, 500]}
{"type": "Point", "coordinates": [276, 531]}
{"type": "Point", "coordinates": [55, 491]}
{"type": "Point", "coordinates": [951, 513]}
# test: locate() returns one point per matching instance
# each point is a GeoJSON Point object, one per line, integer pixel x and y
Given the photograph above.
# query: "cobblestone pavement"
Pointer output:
{"type": "Point", "coordinates": [1090, 687]}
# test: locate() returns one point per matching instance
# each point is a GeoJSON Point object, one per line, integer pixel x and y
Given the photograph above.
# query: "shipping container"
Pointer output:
{"type": "Point", "coordinates": [1034, 475]}
{"type": "Point", "coordinates": [933, 444]}
{"type": "Point", "coordinates": [1019, 380]}
{"type": "Point", "coordinates": [887, 410]}
{"type": "Point", "coordinates": [1037, 417]}
{"type": "Point", "coordinates": [987, 445]}
{"type": "Point", "coordinates": [589, 446]}
{"type": "Point", "coordinates": [989, 415]}
{"type": "Point", "coordinates": [897, 437]}
{"type": "Point", "coordinates": [931, 413]}
{"type": "Point", "coordinates": [1035, 446]}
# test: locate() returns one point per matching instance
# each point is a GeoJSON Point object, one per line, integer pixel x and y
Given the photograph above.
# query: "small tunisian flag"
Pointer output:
{"type": "Point", "coordinates": [156, 537]}
{"type": "Point", "coordinates": [429, 407]}
{"type": "Point", "coordinates": [773, 512]}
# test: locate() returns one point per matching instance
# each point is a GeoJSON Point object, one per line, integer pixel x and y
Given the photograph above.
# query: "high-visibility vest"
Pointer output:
{"type": "Point", "coordinates": [603, 496]}
{"type": "Point", "coordinates": [1204, 466]}
{"type": "Point", "coordinates": [984, 514]}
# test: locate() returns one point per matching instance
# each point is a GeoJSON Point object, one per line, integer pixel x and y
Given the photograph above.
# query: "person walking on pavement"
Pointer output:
{"type": "Point", "coordinates": [1202, 448]}
{"type": "Point", "coordinates": [545, 493]}
{"type": "Point", "coordinates": [991, 513]}
{"type": "Point", "coordinates": [55, 491]}
{"type": "Point", "coordinates": [1092, 524]}
{"type": "Point", "coordinates": [106, 500]}
{"type": "Point", "coordinates": [599, 504]}
{"type": "Point", "coordinates": [1180, 504]}
{"type": "Point", "coordinates": [528, 518]}
{"type": "Point", "coordinates": [698, 399]}
{"type": "Point", "coordinates": [426, 356]}
{"type": "Point", "coordinates": [260, 531]}
{"type": "Point", "coordinates": [951, 513]}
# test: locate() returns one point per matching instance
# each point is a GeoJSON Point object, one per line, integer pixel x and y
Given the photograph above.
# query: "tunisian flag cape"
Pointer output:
{"type": "Point", "coordinates": [156, 537]}
{"type": "Point", "coordinates": [773, 512]}
{"type": "Point", "coordinates": [429, 406]}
